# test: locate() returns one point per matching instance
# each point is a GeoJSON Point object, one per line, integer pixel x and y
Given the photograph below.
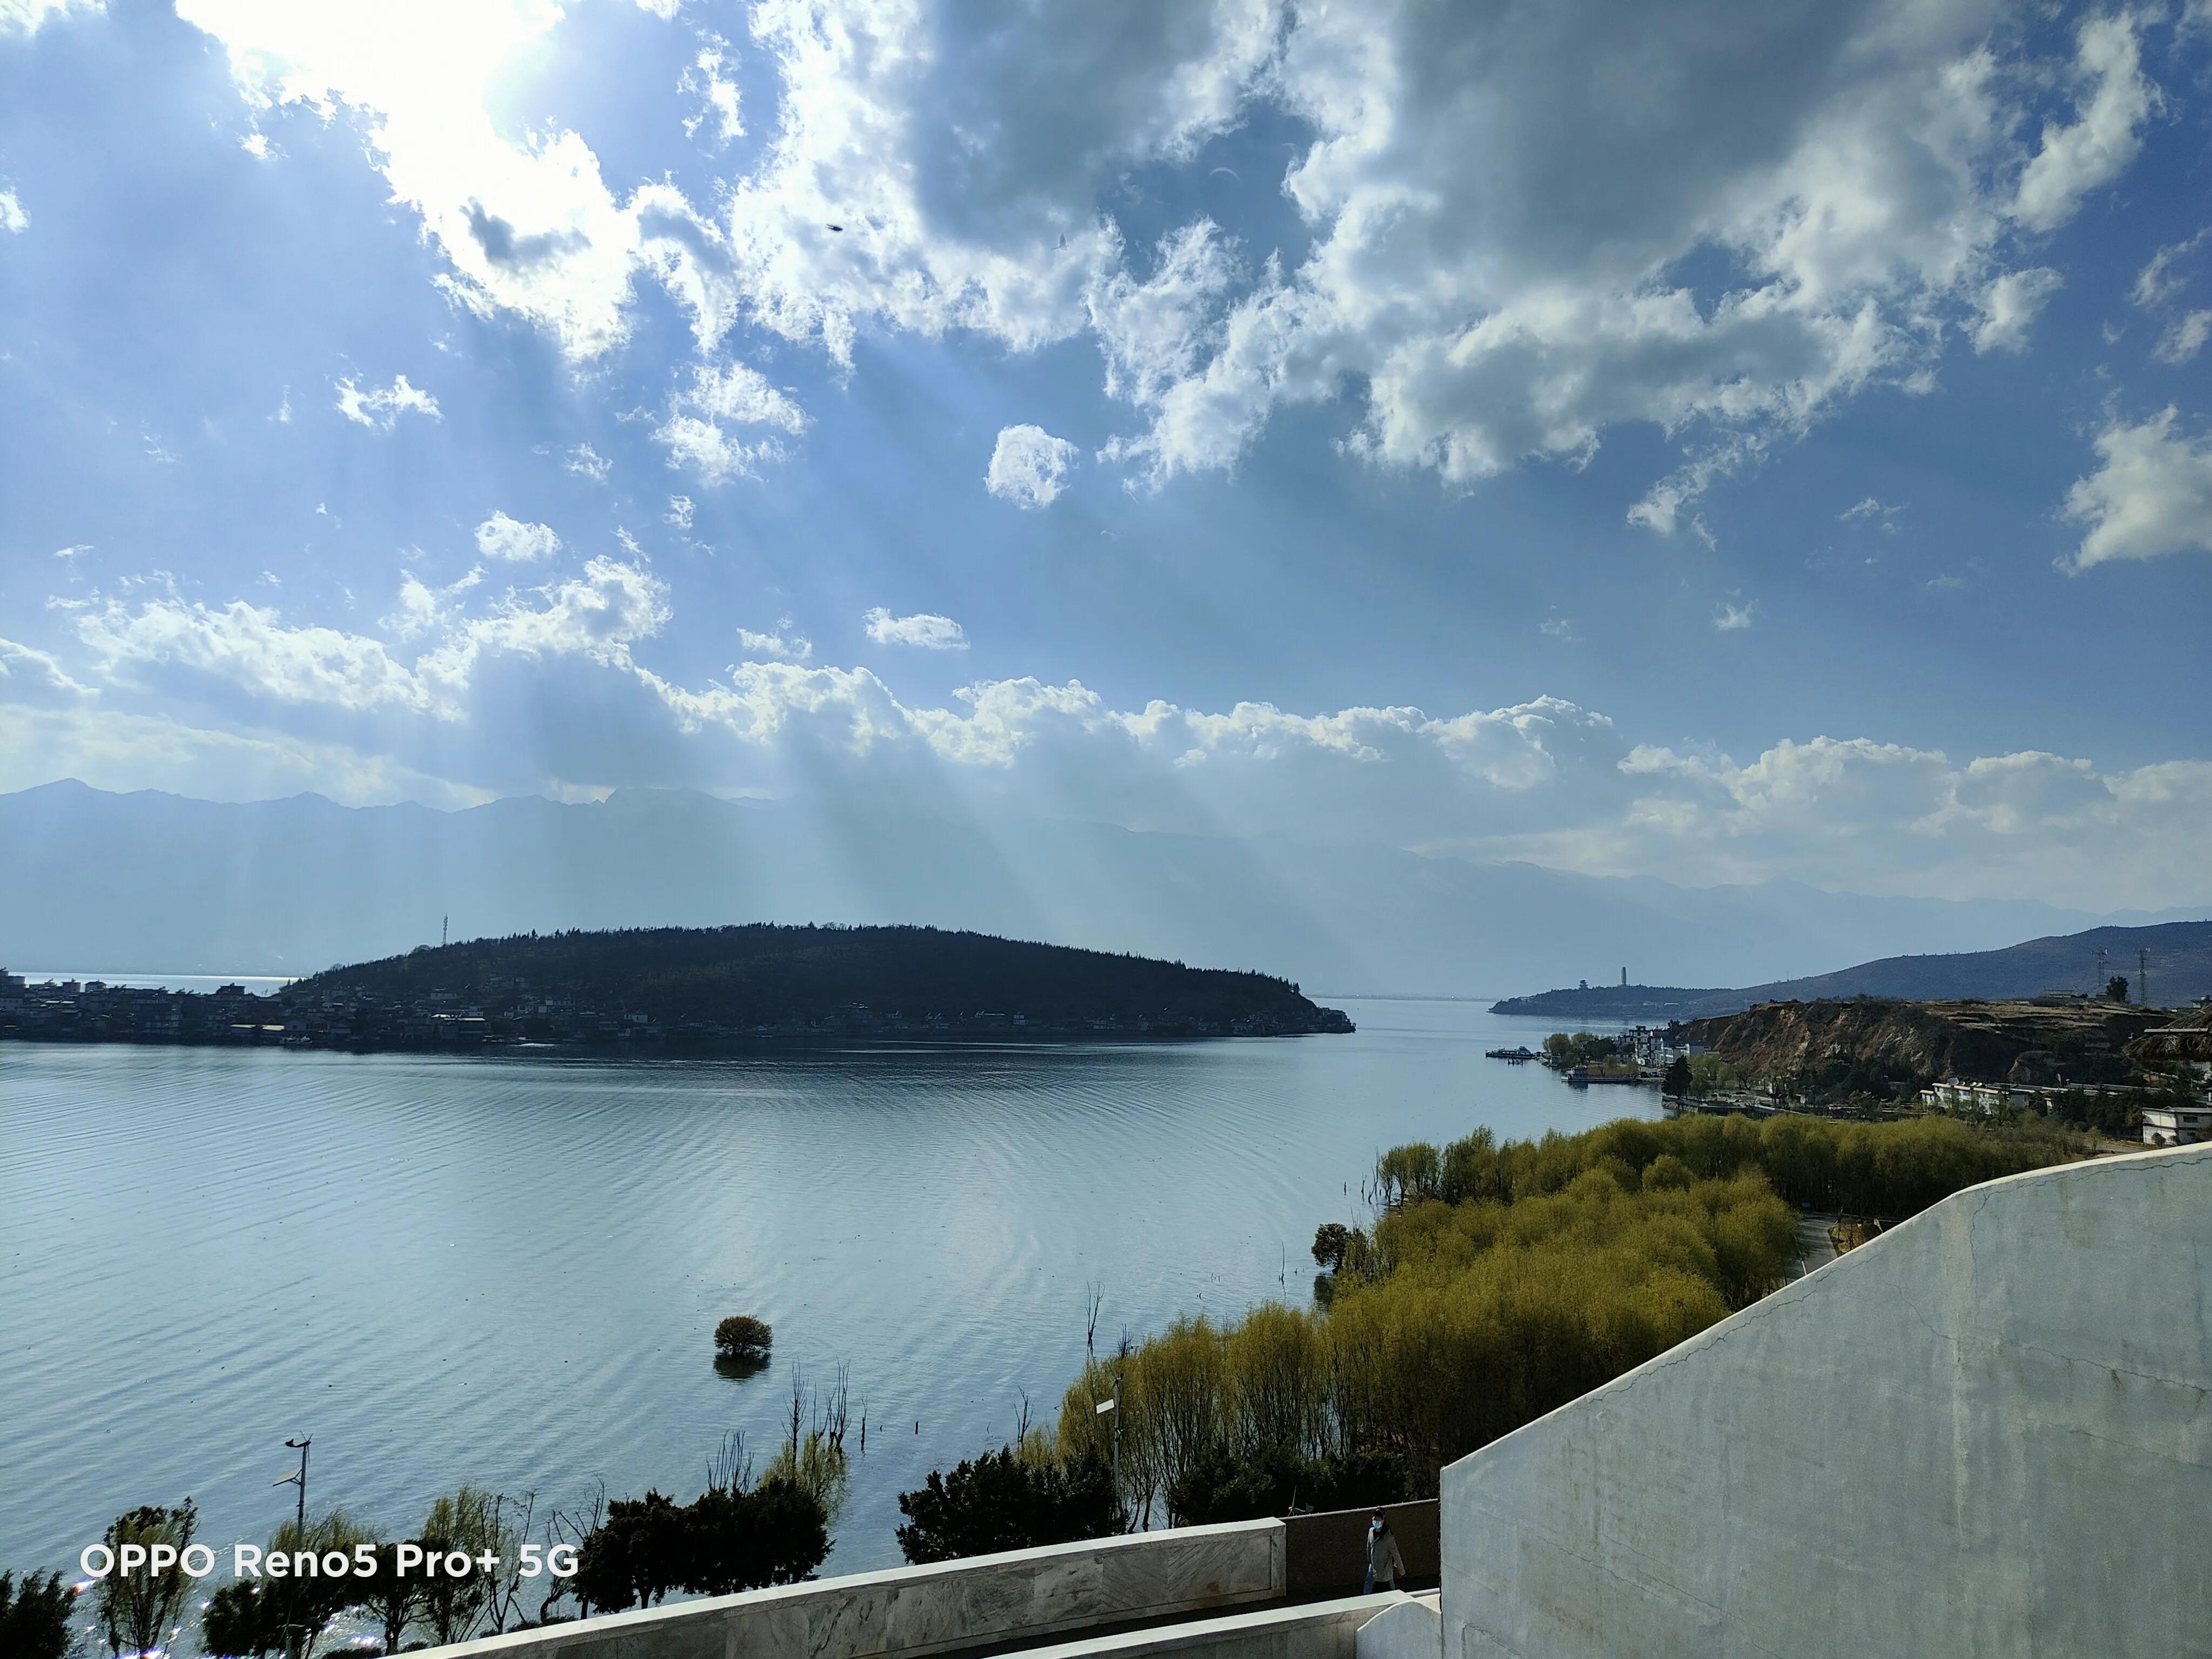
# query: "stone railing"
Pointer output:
{"type": "Point", "coordinates": [1025, 1597]}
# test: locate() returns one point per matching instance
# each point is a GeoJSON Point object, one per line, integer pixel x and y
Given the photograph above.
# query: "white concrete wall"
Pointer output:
{"type": "Point", "coordinates": [1987, 1433]}
{"type": "Point", "coordinates": [1311, 1630]}
{"type": "Point", "coordinates": [913, 1611]}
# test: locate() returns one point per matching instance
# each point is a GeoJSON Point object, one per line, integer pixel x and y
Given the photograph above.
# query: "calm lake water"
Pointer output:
{"type": "Point", "coordinates": [507, 1271]}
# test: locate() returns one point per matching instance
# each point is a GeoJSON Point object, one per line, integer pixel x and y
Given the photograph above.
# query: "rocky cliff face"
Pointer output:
{"type": "Point", "coordinates": [1922, 1041]}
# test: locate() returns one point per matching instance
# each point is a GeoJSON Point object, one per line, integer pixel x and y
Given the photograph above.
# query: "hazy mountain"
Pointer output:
{"type": "Point", "coordinates": [150, 883]}
{"type": "Point", "coordinates": [2176, 955]}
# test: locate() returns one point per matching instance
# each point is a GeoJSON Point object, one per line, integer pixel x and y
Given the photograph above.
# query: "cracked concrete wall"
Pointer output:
{"type": "Point", "coordinates": [1988, 1432]}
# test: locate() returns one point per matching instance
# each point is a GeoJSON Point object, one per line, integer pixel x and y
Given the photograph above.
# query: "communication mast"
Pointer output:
{"type": "Point", "coordinates": [2103, 978]}
{"type": "Point", "coordinates": [2143, 979]}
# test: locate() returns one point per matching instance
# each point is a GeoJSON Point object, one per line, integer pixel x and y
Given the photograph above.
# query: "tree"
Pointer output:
{"type": "Point", "coordinates": [393, 1599]}
{"type": "Point", "coordinates": [2116, 988]}
{"type": "Point", "coordinates": [728, 1538]}
{"type": "Point", "coordinates": [139, 1610]}
{"type": "Point", "coordinates": [243, 1620]}
{"type": "Point", "coordinates": [742, 1337]}
{"type": "Point", "coordinates": [468, 1521]}
{"type": "Point", "coordinates": [1678, 1081]}
{"type": "Point", "coordinates": [1329, 1240]}
{"type": "Point", "coordinates": [1004, 1502]}
{"type": "Point", "coordinates": [634, 1556]}
{"type": "Point", "coordinates": [34, 1619]}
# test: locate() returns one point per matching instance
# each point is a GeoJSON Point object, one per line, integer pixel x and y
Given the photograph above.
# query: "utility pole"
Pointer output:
{"type": "Point", "coordinates": [300, 1538]}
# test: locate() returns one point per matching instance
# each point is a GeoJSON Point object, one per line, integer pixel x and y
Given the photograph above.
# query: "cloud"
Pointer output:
{"type": "Point", "coordinates": [1869, 508]}
{"type": "Point", "coordinates": [717, 94]}
{"type": "Point", "coordinates": [381, 407]}
{"type": "Point", "coordinates": [595, 616]}
{"type": "Point", "coordinates": [923, 631]}
{"type": "Point", "coordinates": [12, 216]}
{"type": "Point", "coordinates": [1494, 264]}
{"type": "Point", "coordinates": [587, 462]}
{"type": "Point", "coordinates": [23, 17]}
{"type": "Point", "coordinates": [2096, 148]}
{"type": "Point", "coordinates": [1735, 618]}
{"type": "Point", "coordinates": [501, 537]}
{"type": "Point", "coordinates": [2010, 306]}
{"type": "Point", "coordinates": [71, 555]}
{"type": "Point", "coordinates": [784, 645]}
{"type": "Point", "coordinates": [119, 750]}
{"type": "Point", "coordinates": [695, 434]}
{"type": "Point", "coordinates": [1028, 465]}
{"type": "Point", "coordinates": [2162, 281]}
{"type": "Point", "coordinates": [2184, 337]}
{"type": "Point", "coordinates": [2151, 493]}
{"type": "Point", "coordinates": [29, 674]}
{"type": "Point", "coordinates": [679, 511]}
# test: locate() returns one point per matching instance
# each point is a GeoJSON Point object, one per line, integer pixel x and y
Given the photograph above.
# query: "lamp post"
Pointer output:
{"type": "Point", "coordinates": [1113, 1406]}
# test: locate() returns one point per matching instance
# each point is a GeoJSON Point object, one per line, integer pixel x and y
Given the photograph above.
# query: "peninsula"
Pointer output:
{"type": "Point", "coordinates": [691, 989]}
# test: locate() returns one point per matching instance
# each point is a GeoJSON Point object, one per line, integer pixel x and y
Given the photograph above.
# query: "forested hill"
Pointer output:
{"type": "Point", "coordinates": [675, 982]}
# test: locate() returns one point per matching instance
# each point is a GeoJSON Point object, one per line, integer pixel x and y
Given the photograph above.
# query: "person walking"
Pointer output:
{"type": "Point", "coordinates": [1384, 1562]}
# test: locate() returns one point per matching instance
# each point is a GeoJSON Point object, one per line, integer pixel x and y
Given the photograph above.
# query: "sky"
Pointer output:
{"type": "Point", "coordinates": [1724, 442]}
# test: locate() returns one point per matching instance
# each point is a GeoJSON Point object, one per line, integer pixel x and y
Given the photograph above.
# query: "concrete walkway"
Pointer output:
{"type": "Point", "coordinates": [1815, 1248]}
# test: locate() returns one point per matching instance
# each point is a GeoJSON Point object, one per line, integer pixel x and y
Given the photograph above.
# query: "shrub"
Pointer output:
{"type": "Point", "coordinates": [1001, 1501]}
{"type": "Point", "coordinates": [742, 1337]}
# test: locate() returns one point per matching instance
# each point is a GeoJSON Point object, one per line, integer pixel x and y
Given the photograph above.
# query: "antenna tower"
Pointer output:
{"type": "Point", "coordinates": [2143, 979]}
{"type": "Point", "coordinates": [444, 926]}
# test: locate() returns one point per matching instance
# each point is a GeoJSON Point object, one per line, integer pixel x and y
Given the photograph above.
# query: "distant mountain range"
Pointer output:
{"type": "Point", "coordinates": [2180, 970]}
{"type": "Point", "coordinates": [147, 883]}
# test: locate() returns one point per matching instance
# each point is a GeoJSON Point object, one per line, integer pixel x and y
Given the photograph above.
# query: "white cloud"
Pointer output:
{"type": "Point", "coordinates": [12, 216]}
{"type": "Point", "coordinates": [679, 511]}
{"type": "Point", "coordinates": [2010, 306]}
{"type": "Point", "coordinates": [2162, 281]}
{"type": "Point", "coordinates": [380, 408]}
{"type": "Point", "coordinates": [1027, 466]}
{"type": "Point", "coordinates": [695, 434]}
{"type": "Point", "coordinates": [922, 630]}
{"type": "Point", "coordinates": [523, 216]}
{"type": "Point", "coordinates": [587, 462]}
{"type": "Point", "coordinates": [25, 672]}
{"type": "Point", "coordinates": [2150, 494]}
{"type": "Point", "coordinates": [1735, 618]}
{"type": "Point", "coordinates": [2184, 337]}
{"type": "Point", "coordinates": [716, 92]}
{"type": "Point", "coordinates": [1870, 509]}
{"type": "Point", "coordinates": [23, 17]}
{"type": "Point", "coordinates": [784, 645]}
{"type": "Point", "coordinates": [595, 616]}
{"type": "Point", "coordinates": [501, 537]}
{"type": "Point", "coordinates": [2098, 144]}
{"type": "Point", "coordinates": [72, 554]}
{"type": "Point", "coordinates": [1495, 260]}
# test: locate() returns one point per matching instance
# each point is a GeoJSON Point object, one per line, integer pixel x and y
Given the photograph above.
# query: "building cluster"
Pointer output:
{"type": "Point", "coordinates": [503, 1013]}
{"type": "Point", "coordinates": [2167, 1121]}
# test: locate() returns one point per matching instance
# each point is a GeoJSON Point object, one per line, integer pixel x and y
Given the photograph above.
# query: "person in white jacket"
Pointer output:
{"type": "Point", "coordinates": [1384, 1562]}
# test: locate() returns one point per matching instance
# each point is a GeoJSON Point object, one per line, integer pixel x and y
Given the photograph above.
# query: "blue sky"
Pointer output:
{"type": "Point", "coordinates": [1722, 443]}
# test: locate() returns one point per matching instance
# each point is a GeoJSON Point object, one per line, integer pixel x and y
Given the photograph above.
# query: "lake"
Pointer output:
{"type": "Point", "coordinates": [507, 1271]}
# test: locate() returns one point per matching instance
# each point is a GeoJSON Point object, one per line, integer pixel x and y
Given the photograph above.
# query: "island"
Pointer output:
{"type": "Point", "coordinates": [672, 990]}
